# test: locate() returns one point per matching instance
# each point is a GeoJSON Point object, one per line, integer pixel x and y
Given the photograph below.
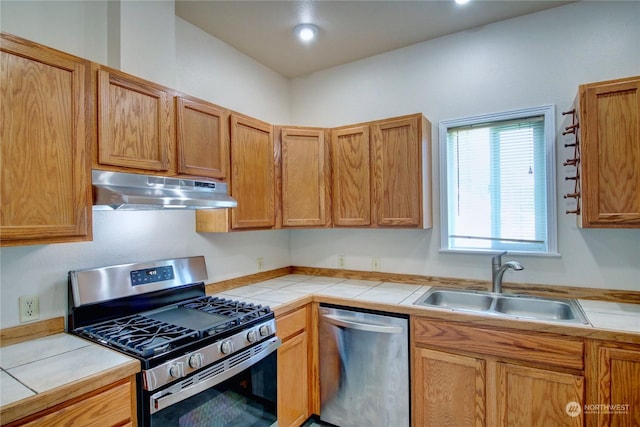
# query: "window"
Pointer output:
{"type": "Point", "coordinates": [498, 182]}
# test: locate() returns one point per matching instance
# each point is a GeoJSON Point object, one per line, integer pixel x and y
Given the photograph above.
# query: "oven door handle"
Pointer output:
{"type": "Point", "coordinates": [182, 390]}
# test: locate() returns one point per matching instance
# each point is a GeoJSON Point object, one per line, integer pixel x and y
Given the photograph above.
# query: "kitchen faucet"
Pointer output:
{"type": "Point", "coordinates": [498, 269]}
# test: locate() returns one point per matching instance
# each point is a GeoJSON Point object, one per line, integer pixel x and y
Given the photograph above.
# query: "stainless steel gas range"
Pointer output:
{"type": "Point", "coordinates": [206, 361]}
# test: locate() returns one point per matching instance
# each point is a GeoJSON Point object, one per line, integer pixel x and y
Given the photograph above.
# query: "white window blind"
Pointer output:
{"type": "Point", "coordinates": [499, 183]}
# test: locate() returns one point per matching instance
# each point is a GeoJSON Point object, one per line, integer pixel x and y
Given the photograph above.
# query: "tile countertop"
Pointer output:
{"type": "Point", "coordinates": [287, 289]}
{"type": "Point", "coordinates": [56, 366]}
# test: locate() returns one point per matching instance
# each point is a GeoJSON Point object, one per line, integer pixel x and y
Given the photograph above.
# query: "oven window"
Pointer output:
{"type": "Point", "coordinates": [246, 400]}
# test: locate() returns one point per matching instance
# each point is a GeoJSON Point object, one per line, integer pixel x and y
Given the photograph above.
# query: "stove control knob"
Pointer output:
{"type": "Point", "coordinates": [195, 361]}
{"type": "Point", "coordinates": [252, 336]}
{"type": "Point", "coordinates": [226, 347]}
{"type": "Point", "coordinates": [265, 330]}
{"type": "Point", "coordinates": [177, 370]}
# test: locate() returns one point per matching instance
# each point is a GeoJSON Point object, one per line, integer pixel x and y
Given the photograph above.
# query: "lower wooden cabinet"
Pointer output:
{"type": "Point", "coordinates": [294, 368]}
{"type": "Point", "coordinates": [468, 376]}
{"type": "Point", "coordinates": [538, 397]}
{"type": "Point", "coordinates": [448, 389]}
{"type": "Point", "coordinates": [114, 405]}
{"type": "Point", "coordinates": [613, 384]}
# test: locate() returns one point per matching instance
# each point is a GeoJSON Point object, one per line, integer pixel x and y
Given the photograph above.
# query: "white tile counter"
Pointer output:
{"type": "Point", "coordinates": [43, 365]}
{"type": "Point", "coordinates": [287, 289]}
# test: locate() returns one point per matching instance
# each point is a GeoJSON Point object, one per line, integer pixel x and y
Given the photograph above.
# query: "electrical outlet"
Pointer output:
{"type": "Point", "coordinates": [375, 264]}
{"type": "Point", "coordinates": [341, 261]}
{"type": "Point", "coordinates": [29, 308]}
{"type": "Point", "coordinates": [260, 263]}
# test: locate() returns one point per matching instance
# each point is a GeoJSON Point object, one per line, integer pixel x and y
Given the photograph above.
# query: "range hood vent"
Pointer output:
{"type": "Point", "coordinates": [127, 191]}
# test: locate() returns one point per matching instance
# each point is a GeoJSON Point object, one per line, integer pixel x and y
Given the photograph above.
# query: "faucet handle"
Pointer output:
{"type": "Point", "coordinates": [497, 259]}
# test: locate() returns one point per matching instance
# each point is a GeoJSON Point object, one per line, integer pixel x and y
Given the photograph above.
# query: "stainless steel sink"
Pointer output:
{"type": "Point", "coordinates": [517, 306]}
{"type": "Point", "coordinates": [460, 300]}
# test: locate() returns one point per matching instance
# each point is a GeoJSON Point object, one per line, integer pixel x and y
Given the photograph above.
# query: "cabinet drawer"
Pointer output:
{"type": "Point", "coordinates": [108, 408]}
{"type": "Point", "coordinates": [291, 323]}
{"type": "Point", "coordinates": [556, 350]}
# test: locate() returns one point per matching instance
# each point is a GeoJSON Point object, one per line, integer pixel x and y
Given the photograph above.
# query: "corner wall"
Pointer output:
{"type": "Point", "coordinates": [522, 62]}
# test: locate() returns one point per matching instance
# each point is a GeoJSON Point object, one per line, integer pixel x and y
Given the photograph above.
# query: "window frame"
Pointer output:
{"type": "Point", "coordinates": [549, 113]}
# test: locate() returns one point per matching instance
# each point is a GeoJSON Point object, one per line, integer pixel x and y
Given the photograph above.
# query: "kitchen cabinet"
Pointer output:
{"type": "Point", "coordinates": [478, 376]}
{"type": "Point", "coordinates": [305, 176]}
{"type": "Point", "coordinates": [113, 405]}
{"type": "Point", "coordinates": [449, 389]}
{"type": "Point", "coordinates": [351, 176]}
{"type": "Point", "coordinates": [202, 138]}
{"type": "Point", "coordinates": [295, 392]}
{"type": "Point", "coordinates": [135, 124]}
{"type": "Point", "coordinates": [381, 173]}
{"type": "Point", "coordinates": [609, 165]}
{"type": "Point", "coordinates": [252, 180]}
{"type": "Point", "coordinates": [46, 137]}
{"type": "Point", "coordinates": [613, 370]}
{"type": "Point", "coordinates": [401, 172]}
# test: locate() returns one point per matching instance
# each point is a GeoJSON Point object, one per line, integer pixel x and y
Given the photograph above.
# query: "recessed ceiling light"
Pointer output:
{"type": "Point", "coordinates": [306, 32]}
{"type": "Point", "coordinates": [462, 1]}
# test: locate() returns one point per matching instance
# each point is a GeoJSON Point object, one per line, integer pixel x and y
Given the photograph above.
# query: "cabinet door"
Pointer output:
{"type": "Point", "coordinates": [610, 147]}
{"type": "Point", "coordinates": [46, 139]}
{"type": "Point", "coordinates": [351, 168]}
{"type": "Point", "coordinates": [448, 390]}
{"type": "Point", "coordinates": [252, 173]}
{"type": "Point", "coordinates": [134, 123]}
{"type": "Point", "coordinates": [531, 397]}
{"type": "Point", "coordinates": [397, 187]}
{"type": "Point", "coordinates": [305, 177]}
{"type": "Point", "coordinates": [113, 406]}
{"type": "Point", "coordinates": [619, 371]}
{"type": "Point", "coordinates": [202, 142]}
{"type": "Point", "coordinates": [293, 381]}
{"type": "Point", "coordinates": [294, 388]}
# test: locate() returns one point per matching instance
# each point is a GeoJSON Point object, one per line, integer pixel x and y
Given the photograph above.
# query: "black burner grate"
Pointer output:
{"type": "Point", "coordinates": [238, 312]}
{"type": "Point", "coordinates": [141, 335]}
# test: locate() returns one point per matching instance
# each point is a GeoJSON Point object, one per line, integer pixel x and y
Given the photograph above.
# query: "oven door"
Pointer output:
{"type": "Point", "coordinates": [238, 391]}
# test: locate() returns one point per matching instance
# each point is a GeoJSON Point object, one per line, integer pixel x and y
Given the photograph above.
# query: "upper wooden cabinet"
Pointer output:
{"type": "Point", "coordinates": [351, 176]}
{"type": "Point", "coordinates": [400, 161]}
{"type": "Point", "coordinates": [202, 138]}
{"type": "Point", "coordinates": [252, 173]}
{"type": "Point", "coordinates": [45, 136]}
{"type": "Point", "coordinates": [135, 123]}
{"type": "Point", "coordinates": [381, 173]}
{"type": "Point", "coordinates": [609, 122]}
{"type": "Point", "coordinates": [305, 177]}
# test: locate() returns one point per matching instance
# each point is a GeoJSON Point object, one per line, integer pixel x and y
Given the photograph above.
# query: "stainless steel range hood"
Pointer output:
{"type": "Point", "coordinates": [126, 191]}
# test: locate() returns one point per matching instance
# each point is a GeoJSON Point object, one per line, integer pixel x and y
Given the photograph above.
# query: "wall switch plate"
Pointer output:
{"type": "Point", "coordinates": [341, 261]}
{"type": "Point", "coordinates": [29, 308]}
{"type": "Point", "coordinates": [260, 263]}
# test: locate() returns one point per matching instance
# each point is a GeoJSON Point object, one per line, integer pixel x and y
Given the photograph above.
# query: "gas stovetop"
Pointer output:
{"type": "Point", "coordinates": [159, 331]}
{"type": "Point", "coordinates": [158, 312]}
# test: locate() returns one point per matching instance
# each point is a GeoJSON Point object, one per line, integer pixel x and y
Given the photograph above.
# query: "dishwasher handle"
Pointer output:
{"type": "Point", "coordinates": [368, 327]}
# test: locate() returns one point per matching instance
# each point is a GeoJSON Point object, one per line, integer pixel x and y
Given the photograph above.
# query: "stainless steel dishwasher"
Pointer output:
{"type": "Point", "coordinates": [364, 368]}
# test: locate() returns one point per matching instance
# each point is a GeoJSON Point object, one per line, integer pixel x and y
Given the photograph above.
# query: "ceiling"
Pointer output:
{"type": "Point", "coordinates": [348, 30]}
